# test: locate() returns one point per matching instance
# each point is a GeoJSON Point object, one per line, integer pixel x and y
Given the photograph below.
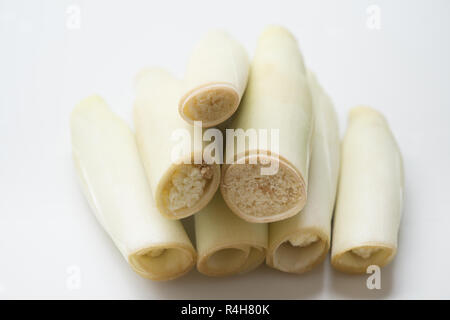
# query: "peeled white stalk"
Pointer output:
{"type": "Point", "coordinates": [227, 244]}
{"type": "Point", "coordinates": [369, 204]}
{"type": "Point", "coordinates": [184, 185]}
{"type": "Point", "coordinates": [113, 181]}
{"type": "Point", "coordinates": [215, 79]}
{"type": "Point", "coordinates": [277, 98]}
{"type": "Point", "coordinates": [301, 242]}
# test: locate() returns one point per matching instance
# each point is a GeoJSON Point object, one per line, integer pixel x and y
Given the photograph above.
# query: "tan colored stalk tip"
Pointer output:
{"type": "Point", "coordinates": [113, 181]}
{"type": "Point", "coordinates": [277, 98]}
{"type": "Point", "coordinates": [298, 244]}
{"type": "Point", "coordinates": [181, 187]}
{"type": "Point", "coordinates": [226, 244]}
{"type": "Point", "coordinates": [215, 80]}
{"type": "Point", "coordinates": [369, 204]}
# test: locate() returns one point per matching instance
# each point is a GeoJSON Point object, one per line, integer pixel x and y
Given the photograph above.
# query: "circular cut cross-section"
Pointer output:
{"type": "Point", "coordinates": [358, 259]}
{"type": "Point", "coordinates": [263, 198]}
{"type": "Point", "coordinates": [210, 104]}
{"type": "Point", "coordinates": [299, 252]}
{"type": "Point", "coordinates": [230, 259]}
{"type": "Point", "coordinates": [187, 188]}
{"type": "Point", "coordinates": [162, 263]}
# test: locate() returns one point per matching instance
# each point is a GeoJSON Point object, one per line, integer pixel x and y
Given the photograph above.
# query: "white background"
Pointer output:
{"type": "Point", "coordinates": [46, 228]}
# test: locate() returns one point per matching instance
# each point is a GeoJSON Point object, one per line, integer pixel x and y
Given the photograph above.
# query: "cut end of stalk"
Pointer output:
{"type": "Point", "coordinates": [303, 240]}
{"type": "Point", "coordinates": [299, 253]}
{"type": "Point", "coordinates": [211, 104]}
{"type": "Point", "coordinates": [189, 188]}
{"type": "Point", "coordinates": [263, 198]}
{"type": "Point", "coordinates": [365, 252]}
{"type": "Point", "coordinates": [162, 263]}
{"type": "Point", "coordinates": [357, 259]}
{"type": "Point", "coordinates": [230, 260]}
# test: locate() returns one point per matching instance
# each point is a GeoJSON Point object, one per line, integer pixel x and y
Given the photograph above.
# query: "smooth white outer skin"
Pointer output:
{"type": "Point", "coordinates": [278, 97]}
{"type": "Point", "coordinates": [113, 181]}
{"type": "Point", "coordinates": [370, 196]}
{"type": "Point", "coordinates": [218, 59]}
{"type": "Point", "coordinates": [156, 119]}
{"type": "Point", "coordinates": [217, 228]}
{"type": "Point", "coordinates": [316, 216]}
